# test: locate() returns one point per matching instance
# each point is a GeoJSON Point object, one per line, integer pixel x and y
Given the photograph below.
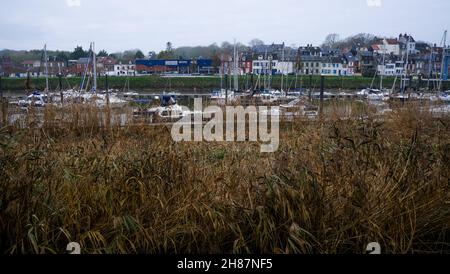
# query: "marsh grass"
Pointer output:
{"type": "Point", "coordinates": [333, 186]}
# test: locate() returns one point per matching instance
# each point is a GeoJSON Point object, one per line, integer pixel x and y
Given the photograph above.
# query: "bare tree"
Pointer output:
{"type": "Point", "coordinates": [256, 42]}
{"type": "Point", "coordinates": [331, 40]}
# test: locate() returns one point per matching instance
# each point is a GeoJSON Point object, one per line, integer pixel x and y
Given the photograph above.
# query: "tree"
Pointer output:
{"type": "Point", "coordinates": [62, 56]}
{"type": "Point", "coordinates": [331, 40]}
{"type": "Point", "coordinates": [227, 47]}
{"type": "Point", "coordinates": [78, 53]}
{"type": "Point", "coordinates": [216, 62]}
{"type": "Point", "coordinates": [139, 55]}
{"type": "Point", "coordinates": [356, 41]}
{"type": "Point", "coordinates": [165, 55]}
{"type": "Point", "coordinates": [169, 47]}
{"type": "Point", "coordinates": [152, 55]}
{"type": "Point", "coordinates": [256, 42]}
{"type": "Point", "coordinates": [102, 53]}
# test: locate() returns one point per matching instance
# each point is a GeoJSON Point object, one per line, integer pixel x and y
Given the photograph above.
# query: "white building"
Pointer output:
{"type": "Point", "coordinates": [123, 70]}
{"type": "Point", "coordinates": [391, 69]}
{"type": "Point", "coordinates": [284, 67]}
{"type": "Point", "coordinates": [407, 44]}
{"type": "Point", "coordinates": [333, 67]}
{"type": "Point", "coordinates": [387, 46]}
{"type": "Point", "coordinates": [310, 65]}
{"type": "Point", "coordinates": [264, 65]}
{"type": "Point", "coordinates": [29, 64]}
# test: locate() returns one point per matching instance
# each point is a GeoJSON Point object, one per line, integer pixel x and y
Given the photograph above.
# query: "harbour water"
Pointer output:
{"type": "Point", "coordinates": [336, 103]}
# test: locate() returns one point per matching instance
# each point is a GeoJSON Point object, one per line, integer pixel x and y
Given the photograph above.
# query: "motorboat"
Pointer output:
{"type": "Point", "coordinates": [381, 96]}
{"type": "Point", "coordinates": [365, 92]}
{"type": "Point", "coordinates": [222, 94]}
{"type": "Point", "coordinates": [443, 97]}
{"type": "Point", "coordinates": [35, 99]}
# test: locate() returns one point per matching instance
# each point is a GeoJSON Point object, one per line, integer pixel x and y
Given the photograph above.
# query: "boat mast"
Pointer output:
{"type": "Point", "coordinates": [94, 63]}
{"type": "Point", "coordinates": [444, 42]}
{"type": "Point", "coordinates": [221, 77]}
{"type": "Point", "coordinates": [282, 69]}
{"type": "Point", "coordinates": [236, 80]}
{"type": "Point", "coordinates": [430, 68]}
{"type": "Point", "coordinates": [46, 68]}
{"type": "Point", "coordinates": [384, 68]}
{"type": "Point", "coordinates": [406, 64]}
{"type": "Point", "coordinates": [264, 69]}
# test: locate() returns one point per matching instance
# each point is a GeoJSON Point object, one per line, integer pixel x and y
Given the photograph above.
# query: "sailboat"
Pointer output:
{"type": "Point", "coordinates": [92, 96]}
{"type": "Point", "coordinates": [404, 77]}
{"type": "Point", "coordinates": [224, 95]}
{"type": "Point", "coordinates": [373, 94]}
{"type": "Point", "coordinates": [443, 96]}
{"type": "Point", "coordinates": [38, 99]}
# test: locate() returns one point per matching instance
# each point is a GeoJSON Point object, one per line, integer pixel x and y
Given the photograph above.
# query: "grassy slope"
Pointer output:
{"type": "Point", "coordinates": [155, 82]}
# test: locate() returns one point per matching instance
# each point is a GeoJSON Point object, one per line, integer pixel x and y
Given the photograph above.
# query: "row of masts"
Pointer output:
{"type": "Point", "coordinates": [92, 56]}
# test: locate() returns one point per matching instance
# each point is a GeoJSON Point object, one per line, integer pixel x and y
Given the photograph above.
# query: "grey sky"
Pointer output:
{"type": "Point", "coordinates": [117, 25]}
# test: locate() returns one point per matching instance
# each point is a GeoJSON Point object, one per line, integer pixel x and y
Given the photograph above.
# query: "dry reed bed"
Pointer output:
{"type": "Point", "coordinates": [332, 187]}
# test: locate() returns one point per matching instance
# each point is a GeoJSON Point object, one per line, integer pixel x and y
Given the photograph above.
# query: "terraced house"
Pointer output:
{"type": "Point", "coordinates": [333, 66]}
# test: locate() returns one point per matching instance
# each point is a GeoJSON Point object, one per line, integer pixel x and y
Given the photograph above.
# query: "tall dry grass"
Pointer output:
{"type": "Point", "coordinates": [332, 187]}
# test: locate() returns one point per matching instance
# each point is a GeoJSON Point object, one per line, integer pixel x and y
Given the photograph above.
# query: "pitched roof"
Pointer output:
{"type": "Point", "coordinates": [311, 58]}
{"type": "Point", "coordinates": [83, 60]}
{"type": "Point", "coordinates": [366, 53]}
{"type": "Point", "coordinates": [333, 60]}
{"type": "Point", "coordinates": [262, 49]}
{"type": "Point", "coordinates": [376, 47]}
{"type": "Point", "coordinates": [392, 41]}
{"type": "Point", "coordinates": [350, 57]}
{"type": "Point", "coordinates": [29, 62]}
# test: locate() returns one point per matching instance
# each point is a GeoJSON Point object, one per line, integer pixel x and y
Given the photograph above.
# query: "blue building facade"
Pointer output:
{"type": "Point", "coordinates": [173, 66]}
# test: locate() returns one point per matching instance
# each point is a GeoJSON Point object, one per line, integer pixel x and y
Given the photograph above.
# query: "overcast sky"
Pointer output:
{"type": "Point", "coordinates": [117, 25]}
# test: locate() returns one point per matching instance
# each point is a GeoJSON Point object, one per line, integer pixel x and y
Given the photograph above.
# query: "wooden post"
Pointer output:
{"type": "Point", "coordinates": [61, 89]}
{"type": "Point", "coordinates": [410, 85]}
{"type": "Point", "coordinates": [60, 81]}
{"type": "Point", "coordinates": [4, 105]}
{"type": "Point", "coordinates": [226, 89]}
{"type": "Point", "coordinates": [322, 88]}
{"type": "Point", "coordinates": [108, 110]}
{"type": "Point", "coordinates": [107, 89]}
{"type": "Point", "coordinates": [28, 82]}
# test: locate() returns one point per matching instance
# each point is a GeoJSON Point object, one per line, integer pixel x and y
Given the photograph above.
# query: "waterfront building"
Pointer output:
{"type": "Point", "coordinates": [333, 66]}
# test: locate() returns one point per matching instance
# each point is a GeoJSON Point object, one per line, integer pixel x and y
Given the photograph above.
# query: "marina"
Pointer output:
{"type": "Point", "coordinates": [243, 136]}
